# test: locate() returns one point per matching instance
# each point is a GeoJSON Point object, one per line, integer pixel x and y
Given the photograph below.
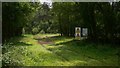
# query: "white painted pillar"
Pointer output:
{"type": "Point", "coordinates": [77, 33]}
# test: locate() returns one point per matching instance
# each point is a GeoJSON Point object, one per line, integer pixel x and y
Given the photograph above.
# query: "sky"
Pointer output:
{"type": "Point", "coordinates": [48, 1]}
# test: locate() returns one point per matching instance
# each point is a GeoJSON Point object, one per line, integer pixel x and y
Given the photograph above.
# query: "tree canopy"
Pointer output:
{"type": "Point", "coordinates": [101, 19]}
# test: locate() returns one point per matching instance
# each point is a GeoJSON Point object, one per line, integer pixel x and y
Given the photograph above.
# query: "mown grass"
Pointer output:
{"type": "Point", "coordinates": [65, 51]}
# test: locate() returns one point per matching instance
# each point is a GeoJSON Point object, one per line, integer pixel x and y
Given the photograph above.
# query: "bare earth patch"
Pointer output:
{"type": "Point", "coordinates": [44, 42]}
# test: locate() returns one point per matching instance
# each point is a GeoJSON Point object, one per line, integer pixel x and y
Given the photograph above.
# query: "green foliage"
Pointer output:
{"type": "Point", "coordinates": [42, 20]}
{"type": "Point", "coordinates": [101, 19]}
{"type": "Point", "coordinates": [35, 30]}
{"type": "Point", "coordinates": [15, 16]}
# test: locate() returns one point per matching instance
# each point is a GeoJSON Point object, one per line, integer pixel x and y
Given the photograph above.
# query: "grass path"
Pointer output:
{"type": "Point", "coordinates": [63, 51]}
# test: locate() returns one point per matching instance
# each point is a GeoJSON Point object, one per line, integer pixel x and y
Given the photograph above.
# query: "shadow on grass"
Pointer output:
{"type": "Point", "coordinates": [20, 44]}
{"type": "Point", "coordinates": [82, 50]}
{"type": "Point", "coordinates": [15, 41]}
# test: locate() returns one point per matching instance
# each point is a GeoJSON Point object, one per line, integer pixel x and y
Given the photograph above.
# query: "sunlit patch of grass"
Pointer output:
{"type": "Point", "coordinates": [40, 36]}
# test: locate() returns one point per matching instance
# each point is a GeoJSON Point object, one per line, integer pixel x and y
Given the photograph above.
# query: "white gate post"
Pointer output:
{"type": "Point", "coordinates": [77, 33]}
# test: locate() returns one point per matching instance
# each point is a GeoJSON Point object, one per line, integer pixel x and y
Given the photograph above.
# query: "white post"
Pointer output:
{"type": "Point", "coordinates": [77, 33]}
{"type": "Point", "coordinates": [85, 32]}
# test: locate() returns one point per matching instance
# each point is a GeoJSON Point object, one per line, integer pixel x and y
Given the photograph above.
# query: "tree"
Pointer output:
{"type": "Point", "coordinates": [17, 15]}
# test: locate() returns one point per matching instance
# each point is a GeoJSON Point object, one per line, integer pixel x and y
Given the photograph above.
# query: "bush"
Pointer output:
{"type": "Point", "coordinates": [35, 31]}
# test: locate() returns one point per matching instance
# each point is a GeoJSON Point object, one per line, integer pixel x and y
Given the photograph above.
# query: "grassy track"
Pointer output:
{"type": "Point", "coordinates": [64, 51]}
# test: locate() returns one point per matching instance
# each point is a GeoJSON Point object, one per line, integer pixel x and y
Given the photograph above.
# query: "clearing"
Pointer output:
{"type": "Point", "coordinates": [55, 50]}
